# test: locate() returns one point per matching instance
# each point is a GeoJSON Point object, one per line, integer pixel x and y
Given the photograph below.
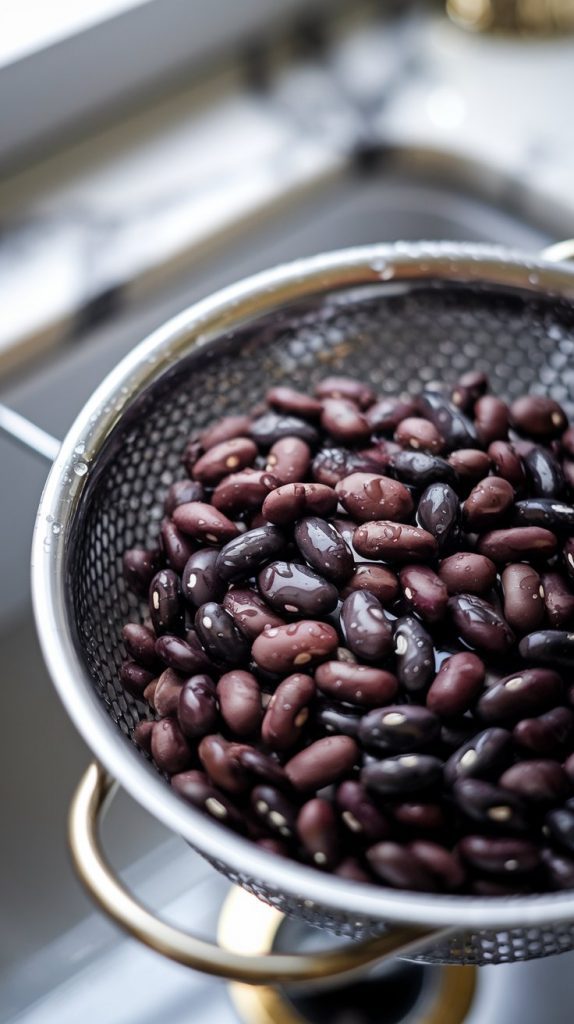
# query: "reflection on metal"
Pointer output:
{"type": "Point", "coordinates": [532, 16]}
{"type": "Point", "coordinates": [246, 925]}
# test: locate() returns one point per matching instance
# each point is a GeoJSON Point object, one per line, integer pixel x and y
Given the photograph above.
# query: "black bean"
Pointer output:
{"type": "Point", "coordinates": [220, 636]}
{"type": "Point", "coordinates": [275, 810]}
{"type": "Point", "coordinates": [421, 469]}
{"type": "Point", "coordinates": [439, 514]}
{"type": "Point", "coordinates": [399, 867]}
{"type": "Point", "coordinates": [166, 605]}
{"type": "Point", "coordinates": [338, 719]}
{"type": "Point", "coordinates": [552, 514]}
{"type": "Point", "coordinates": [483, 756]}
{"type": "Point", "coordinates": [415, 663]}
{"type": "Point", "coordinates": [560, 869]}
{"type": "Point", "coordinates": [294, 589]}
{"type": "Point", "coordinates": [200, 581]}
{"type": "Point", "coordinates": [319, 832]}
{"type": "Point", "coordinates": [140, 566]}
{"type": "Point", "coordinates": [140, 644]}
{"type": "Point", "coordinates": [456, 429]}
{"type": "Point", "coordinates": [549, 647]}
{"type": "Point", "coordinates": [406, 773]}
{"type": "Point", "coordinates": [367, 632]}
{"type": "Point", "coordinates": [185, 656]}
{"type": "Point", "coordinates": [524, 693]}
{"type": "Point", "coordinates": [500, 856]}
{"type": "Point", "coordinates": [197, 709]}
{"type": "Point", "coordinates": [135, 678]}
{"type": "Point", "coordinates": [197, 790]}
{"type": "Point", "coordinates": [543, 473]}
{"type": "Point", "coordinates": [359, 813]}
{"type": "Point", "coordinates": [398, 729]}
{"type": "Point", "coordinates": [490, 806]}
{"type": "Point", "coordinates": [324, 549]}
{"type": "Point", "coordinates": [424, 592]}
{"type": "Point", "coordinates": [272, 426]}
{"type": "Point", "coordinates": [546, 735]}
{"type": "Point", "coordinates": [244, 555]}
{"type": "Point", "coordinates": [560, 825]}
{"type": "Point", "coordinates": [479, 624]}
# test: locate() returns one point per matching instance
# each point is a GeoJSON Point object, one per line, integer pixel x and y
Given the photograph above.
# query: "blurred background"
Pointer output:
{"type": "Point", "coordinates": [152, 151]}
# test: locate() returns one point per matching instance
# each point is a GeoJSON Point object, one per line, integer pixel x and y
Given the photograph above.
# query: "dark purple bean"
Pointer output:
{"type": "Point", "coordinates": [356, 684]}
{"type": "Point", "coordinates": [275, 810]}
{"type": "Point", "coordinates": [424, 592]}
{"type": "Point", "coordinates": [288, 400]}
{"type": "Point", "coordinates": [197, 709]}
{"type": "Point", "coordinates": [135, 678]}
{"type": "Point", "coordinates": [522, 597]}
{"type": "Point", "coordinates": [457, 685]}
{"type": "Point", "coordinates": [467, 573]}
{"type": "Point", "coordinates": [538, 782]}
{"type": "Point", "coordinates": [419, 434]}
{"type": "Point", "coordinates": [455, 732]}
{"type": "Point", "coordinates": [567, 442]}
{"type": "Point", "coordinates": [538, 416]}
{"type": "Point", "coordinates": [443, 865]}
{"type": "Point", "coordinates": [346, 387]}
{"type": "Point", "coordinates": [220, 759]}
{"type": "Point", "coordinates": [470, 465]}
{"type": "Point", "coordinates": [488, 504]}
{"type": "Point", "coordinates": [239, 699]}
{"type": "Point", "coordinates": [223, 430]}
{"type": "Point", "coordinates": [485, 755]}
{"type": "Point", "coordinates": [367, 632]}
{"type": "Point", "coordinates": [175, 545]}
{"type": "Point", "coordinates": [293, 501]}
{"type": "Point", "coordinates": [399, 867]}
{"type": "Point", "coordinates": [344, 421]}
{"type": "Point", "coordinates": [242, 492]}
{"type": "Point", "coordinates": [181, 492]}
{"type": "Point", "coordinates": [554, 515]}
{"type": "Point", "coordinates": [398, 729]}
{"type": "Point", "coordinates": [351, 869]}
{"type": "Point", "coordinates": [140, 644]}
{"type": "Point", "coordinates": [284, 649]}
{"type": "Point", "coordinates": [318, 830]}
{"type": "Point", "coordinates": [507, 464]}
{"type": "Point", "coordinates": [289, 460]}
{"type": "Point", "coordinates": [426, 817]}
{"type": "Point", "coordinates": [549, 647]}
{"type": "Point", "coordinates": [169, 747]}
{"type": "Point", "coordinates": [185, 656]}
{"type": "Point", "coordinates": [544, 475]}
{"type": "Point", "coordinates": [381, 582]}
{"type": "Point", "coordinates": [200, 580]}
{"type": "Point", "coordinates": [491, 419]}
{"type": "Point", "coordinates": [456, 429]}
{"type": "Point", "coordinates": [272, 426]}
{"type": "Point", "coordinates": [220, 636]}
{"type": "Point", "coordinates": [500, 856]}
{"type": "Point", "coordinates": [386, 414]}
{"type": "Point", "coordinates": [191, 453]}
{"type": "Point", "coordinates": [140, 566]}
{"type": "Point", "coordinates": [149, 693]}
{"type": "Point", "coordinates": [333, 464]}
{"type": "Point", "coordinates": [324, 549]}
{"type": "Point", "coordinates": [480, 625]}
{"type": "Point", "coordinates": [394, 542]}
{"type": "Point", "coordinates": [142, 735]}
{"type": "Point", "coordinates": [366, 496]}
{"type": "Point", "coordinates": [419, 469]}
{"type": "Point", "coordinates": [359, 814]}
{"type": "Point", "coordinates": [294, 589]}
{"type": "Point", "coordinates": [560, 825]}
{"type": "Point", "coordinates": [227, 457]}
{"type": "Point", "coordinates": [195, 787]}
{"type": "Point", "coordinates": [322, 763]}
{"type": "Point", "coordinates": [166, 603]}
{"type": "Point", "coordinates": [288, 712]}
{"type": "Point", "coordinates": [406, 773]}
{"type": "Point", "coordinates": [261, 768]}
{"type": "Point", "coordinates": [204, 522]}
{"type": "Point", "coordinates": [568, 557]}
{"type": "Point", "coordinates": [524, 693]}
{"type": "Point", "coordinates": [166, 694]}
{"type": "Point", "coordinates": [546, 735]}
{"type": "Point", "coordinates": [469, 388]}
{"type": "Point", "coordinates": [244, 555]}
{"type": "Point", "coordinates": [414, 652]}
{"type": "Point", "coordinates": [338, 719]}
{"type": "Point", "coordinates": [560, 869]}
{"type": "Point", "coordinates": [249, 612]}
{"type": "Point", "coordinates": [490, 805]}
{"type": "Point", "coordinates": [439, 514]}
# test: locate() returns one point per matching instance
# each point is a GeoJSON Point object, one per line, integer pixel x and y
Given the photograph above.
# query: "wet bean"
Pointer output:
{"type": "Point", "coordinates": [166, 693]}
{"type": "Point", "coordinates": [367, 632]}
{"type": "Point", "coordinates": [335, 718]}
{"type": "Point", "coordinates": [287, 713]}
{"type": "Point", "coordinates": [532, 542]}
{"type": "Point", "coordinates": [204, 522]}
{"type": "Point", "coordinates": [272, 426]}
{"type": "Point", "coordinates": [488, 505]}
{"type": "Point", "coordinates": [356, 684]}
{"type": "Point", "coordinates": [324, 549]}
{"type": "Point", "coordinates": [325, 761]}
{"type": "Point", "coordinates": [366, 496]}
{"type": "Point", "coordinates": [386, 413]}
{"type": "Point", "coordinates": [140, 566]}
{"type": "Point", "coordinates": [346, 387]}
{"type": "Point", "coordinates": [284, 649]}
{"type": "Point", "coordinates": [220, 759]}
{"type": "Point", "coordinates": [399, 867]}
{"type": "Point", "coordinates": [197, 709]}
{"type": "Point", "coordinates": [538, 782]}
{"type": "Point", "coordinates": [419, 469]}
{"type": "Point", "coordinates": [500, 856]}
{"type": "Point", "coordinates": [470, 466]}
{"type": "Point", "coordinates": [229, 456]}
{"type": "Point", "coordinates": [568, 557]}
{"type": "Point", "coordinates": [454, 427]}
{"type": "Point", "coordinates": [538, 416]}
{"type": "Point", "coordinates": [491, 420]}
{"type": "Point", "coordinates": [191, 453]}
{"type": "Point", "coordinates": [293, 501]}
{"type": "Point", "coordinates": [185, 656]}
{"type": "Point", "coordinates": [439, 514]}
{"type": "Point", "coordinates": [394, 542]}
{"type": "Point", "coordinates": [554, 515]}
{"type": "Point", "coordinates": [419, 434]}
{"type": "Point", "coordinates": [142, 735]}
{"type": "Point", "coordinates": [467, 573]}
{"type": "Point", "coordinates": [343, 421]}
{"type": "Point", "coordinates": [546, 735]}
{"type": "Point", "coordinates": [483, 756]}
{"type": "Point", "coordinates": [549, 647]}
{"type": "Point", "coordinates": [135, 678]}
{"type": "Point", "coordinates": [288, 460]}
{"type": "Point", "coordinates": [244, 555]}
{"type": "Point", "coordinates": [522, 694]}
{"type": "Point", "coordinates": [544, 475]}
{"type": "Point", "coordinates": [457, 685]}
{"type": "Point", "coordinates": [333, 464]}
{"type": "Point", "coordinates": [469, 388]}
{"type": "Point", "coordinates": [239, 700]}
{"type": "Point", "coordinates": [288, 400]}
{"type": "Point", "coordinates": [558, 600]}
{"type": "Point", "coordinates": [200, 581]}
{"type": "Point", "coordinates": [294, 589]}
{"type": "Point", "coordinates": [424, 592]}
{"type": "Point", "coordinates": [560, 869]}
{"type": "Point", "coordinates": [480, 625]}
{"type": "Point", "coordinates": [180, 493]}
{"type": "Point", "coordinates": [507, 464]}
{"type": "Point", "coordinates": [219, 635]}
{"type": "Point", "coordinates": [560, 825]}
{"type": "Point", "coordinates": [176, 547]}
{"type": "Point", "coordinates": [380, 582]}
{"type": "Point", "coordinates": [406, 773]}
{"type": "Point", "coordinates": [166, 603]}
{"type": "Point", "coordinates": [223, 430]}
{"type": "Point", "coordinates": [249, 612]}
{"type": "Point", "coordinates": [169, 747]}
{"type": "Point", "coordinates": [318, 830]}
{"type": "Point", "coordinates": [140, 644]}
{"type": "Point", "coordinates": [415, 664]}
{"type": "Point", "coordinates": [275, 810]}
{"type": "Point", "coordinates": [359, 814]}
{"type": "Point", "coordinates": [242, 492]}
{"type": "Point", "coordinates": [262, 768]}
{"type": "Point", "coordinates": [490, 806]}
{"type": "Point", "coordinates": [398, 729]}
{"type": "Point", "coordinates": [522, 597]}
{"type": "Point", "coordinates": [444, 865]}
{"type": "Point", "coordinates": [196, 788]}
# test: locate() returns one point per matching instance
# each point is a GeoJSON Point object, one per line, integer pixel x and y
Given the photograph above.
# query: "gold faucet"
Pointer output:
{"type": "Point", "coordinates": [529, 16]}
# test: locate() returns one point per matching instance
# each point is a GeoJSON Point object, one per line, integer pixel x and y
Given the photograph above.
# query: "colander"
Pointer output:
{"type": "Point", "coordinates": [399, 316]}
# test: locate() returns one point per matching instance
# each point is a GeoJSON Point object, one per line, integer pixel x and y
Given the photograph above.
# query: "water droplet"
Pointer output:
{"type": "Point", "coordinates": [80, 448]}
{"type": "Point", "coordinates": [56, 528]}
{"type": "Point", "coordinates": [81, 468]}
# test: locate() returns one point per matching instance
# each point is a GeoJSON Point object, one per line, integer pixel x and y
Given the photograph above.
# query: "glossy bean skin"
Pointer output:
{"type": "Point", "coordinates": [560, 824]}
{"type": "Point", "coordinates": [507, 464]}
{"type": "Point", "coordinates": [275, 810]}
{"type": "Point", "coordinates": [489, 504]}
{"type": "Point", "coordinates": [343, 421]}
{"type": "Point", "coordinates": [166, 603]}
{"type": "Point", "coordinates": [135, 678]}
{"type": "Point", "coordinates": [284, 649]}
{"type": "Point", "coordinates": [359, 813]}
{"type": "Point", "coordinates": [386, 413]}
{"type": "Point", "coordinates": [560, 869]}
{"type": "Point", "coordinates": [491, 420]}
{"type": "Point", "coordinates": [522, 597]}
{"type": "Point", "coordinates": [244, 555]}
{"type": "Point", "coordinates": [483, 756]}
{"type": "Point", "coordinates": [142, 735]}
{"type": "Point", "coordinates": [249, 612]}
{"type": "Point", "coordinates": [398, 729]}
{"type": "Point", "coordinates": [454, 427]}
{"type": "Point", "coordinates": [219, 635]}
{"type": "Point", "coordinates": [356, 684]}
{"type": "Point", "coordinates": [197, 709]}
{"type": "Point", "coordinates": [182, 655]}
{"type": "Point", "coordinates": [399, 867]}
{"type": "Point", "coordinates": [191, 453]}
{"type": "Point", "coordinates": [404, 773]}
{"type": "Point", "coordinates": [197, 790]}
{"type": "Point", "coordinates": [469, 388]}
{"type": "Point", "coordinates": [323, 762]}
{"type": "Point", "coordinates": [490, 806]}
{"type": "Point", "coordinates": [169, 748]}
{"type": "Point", "coordinates": [424, 592]}
{"type": "Point", "coordinates": [220, 759]}
{"type": "Point", "coordinates": [537, 782]}
{"type": "Point", "coordinates": [226, 457]}
{"type": "Point", "coordinates": [324, 549]}
{"type": "Point", "coordinates": [336, 719]}
{"type": "Point", "coordinates": [244, 491]}
{"type": "Point", "coordinates": [525, 693]}
{"type": "Point", "coordinates": [544, 474]}
{"type": "Point", "coordinates": [547, 735]}
{"type": "Point", "coordinates": [366, 496]}
{"type": "Point", "coordinates": [517, 543]}
{"type": "Point", "coordinates": [239, 699]}
{"type": "Point", "coordinates": [166, 693]}
{"type": "Point", "coordinates": [288, 460]}
{"type": "Point", "coordinates": [333, 464]}
{"type": "Point", "coordinates": [272, 426]}
{"type": "Point", "coordinates": [367, 632]}
{"type": "Point", "coordinates": [262, 768]}
{"type": "Point", "coordinates": [223, 430]}
{"type": "Point", "coordinates": [479, 624]}
{"type": "Point", "coordinates": [140, 565]}
{"type": "Point", "coordinates": [394, 542]}
{"type": "Point", "coordinates": [538, 416]}
{"type": "Point", "coordinates": [289, 400]}
{"type": "Point", "coordinates": [457, 685]}
{"type": "Point", "coordinates": [293, 589]}
{"type": "Point", "coordinates": [204, 522]}
{"type": "Point", "coordinates": [467, 573]}
{"type": "Point", "coordinates": [415, 664]}
{"type": "Point", "coordinates": [288, 712]}
{"type": "Point", "coordinates": [439, 514]}
{"type": "Point", "coordinates": [176, 547]}
{"type": "Point", "coordinates": [200, 580]}
{"type": "Point", "coordinates": [568, 557]}
{"type": "Point", "coordinates": [419, 434]}
{"type": "Point", "coordinates": [381, 582]}
{"type": "Point", "coordinates": [140, 645]}
{"type": "Point", "coordinates": [500, 856]}
{"type": "Point", "coordinates": [443, 865]}
{"type": "Point", "coordinates": [552, 514]}
{"type": "Point", "coordinates": [318, 831]}
{"type": "Point", "coordinates": [420, 469]}
{"type": "Point", "coordinates": [346, 387]}
{"type": "Point", "coordinates": [289, 502]}
{"type": "Point", "coordinates": [470, 466]}
{"type": "Point", "coordinates": [549, 647]}
{"type": "Point", "coordinates": [420, 817]}
{"type": "Point", "coordinates": [558, 600]}
{"type": "Point", "coordinates": [180, 493]}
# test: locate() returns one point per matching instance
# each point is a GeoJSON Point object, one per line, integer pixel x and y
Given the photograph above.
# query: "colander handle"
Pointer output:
{"type": "Point", "coordinates": [109, 893]}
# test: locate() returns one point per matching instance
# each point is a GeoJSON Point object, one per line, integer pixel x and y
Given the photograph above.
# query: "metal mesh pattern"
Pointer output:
{"type": "Point", "coordinates": [398, 338]}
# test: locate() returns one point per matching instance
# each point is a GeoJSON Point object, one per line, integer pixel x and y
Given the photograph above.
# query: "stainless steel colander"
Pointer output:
{"type": "Point", "coordinates": [399, 316]}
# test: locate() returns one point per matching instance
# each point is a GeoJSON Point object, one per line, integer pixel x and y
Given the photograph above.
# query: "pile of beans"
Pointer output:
{"type": "Point", "coordinates": [360, 636]}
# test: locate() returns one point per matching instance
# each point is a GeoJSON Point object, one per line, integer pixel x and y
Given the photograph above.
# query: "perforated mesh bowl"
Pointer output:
{"type": "Point", "coordinates": [398, 316]}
